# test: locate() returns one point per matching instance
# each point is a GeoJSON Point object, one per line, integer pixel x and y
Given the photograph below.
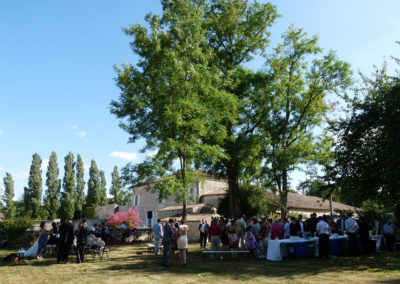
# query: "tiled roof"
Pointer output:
{"type": "Point", "coordinates": [299, 201]}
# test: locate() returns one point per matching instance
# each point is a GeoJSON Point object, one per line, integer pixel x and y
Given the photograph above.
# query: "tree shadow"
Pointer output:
{"type": "Point", "coordinates": [240, 267]}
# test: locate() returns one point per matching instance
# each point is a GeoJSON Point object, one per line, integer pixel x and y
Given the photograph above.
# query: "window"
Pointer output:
{"type": "Point", "coordinates": [193, 193]}
{"type": "Point", "coordinates": [136, 200]}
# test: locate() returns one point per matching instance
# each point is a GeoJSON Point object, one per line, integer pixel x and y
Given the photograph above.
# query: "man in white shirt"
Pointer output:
{"type": "Point", "coordinates": [203, 228]}
{"type": "Point", "coordinates": [378, 233]}
{"type": "Point", "coordinates": [286, 233]}
{"type": "Point", "coordinates": [323, 233]}
{"type": "Point", "coordinates": [241, 223]}
{"type": "Point", "coordinates": [352, 229]}
{"type": "Point", "coordinates": [388, 232]}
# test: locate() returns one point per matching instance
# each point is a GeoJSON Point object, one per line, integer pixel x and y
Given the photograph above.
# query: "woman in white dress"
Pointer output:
{"type": "Point", "coordinates": [183, 242]}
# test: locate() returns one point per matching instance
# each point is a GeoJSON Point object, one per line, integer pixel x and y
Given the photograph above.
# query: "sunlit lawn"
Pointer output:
{"type": "Point", "coordinates": [126, 266]}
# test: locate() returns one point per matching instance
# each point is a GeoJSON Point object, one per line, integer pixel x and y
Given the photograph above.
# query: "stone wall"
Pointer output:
{"type": "Point", "coordinates": [103, 212]}
{"type": "Point", "coordinates": [212, 184]}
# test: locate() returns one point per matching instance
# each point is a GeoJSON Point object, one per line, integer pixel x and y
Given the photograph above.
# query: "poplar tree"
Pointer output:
{"type": "Point", "coordinates": [9, 210]}
{"type": "Point", "coordinates": [79, 196]}
{"type": "Point", "coordinates": [33, 193]}
{"type": "Point", "coordinates": [93, 194]}
{"type": "Point", "coordinates": [66, 202]}
{"type": "Point", "coordinates": [116, 184]}
{"type": "Point", "coordinates": [103, 189]}
{"type": "Point", "coordinates": [53, 183]}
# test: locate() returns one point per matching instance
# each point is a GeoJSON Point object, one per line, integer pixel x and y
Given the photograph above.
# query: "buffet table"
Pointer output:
{"type": "Point", "coordinates": [277, 249]}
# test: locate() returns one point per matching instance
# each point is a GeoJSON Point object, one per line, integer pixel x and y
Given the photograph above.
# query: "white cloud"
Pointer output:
{"type": "Point", "coordinates": [82, 134]}
{"type": "Point", "coordinates": [1, 187]}
{"type": "Point", "coordinates": [1, 132]}
{"type": "Point", "coordinates": [2, 169]}
{"type": "Point", "coordinates": [152, 154]}
{"type": "Point", "coordinates": [123, 155]}
{"type": "Point", "coordinates": [45, 164]}
{"type": "Point", "coordinates": [86, 167]}
{"type": "Point", "coordinates": [74, 126]}
{"type": "Point", "coordinates": [21, 175]}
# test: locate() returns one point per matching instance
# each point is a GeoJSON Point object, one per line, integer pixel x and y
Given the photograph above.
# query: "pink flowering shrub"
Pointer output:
{"type": "Point", "coordinates": [130, 219]}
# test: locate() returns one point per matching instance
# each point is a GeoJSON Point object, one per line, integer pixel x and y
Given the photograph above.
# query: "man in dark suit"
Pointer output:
{"type": "Point", "coordinates": [81, 238]}
{"type": "Point", "coordinates": [166, 241]}
{"type": "Point", "coordinates": [299, 226]}
{"type": "Point", "coordinates": [292, 226]}
{"type": "Point", "coordinates": [311, 224]}
{"type": "Point", "coordinates": [65, 241]}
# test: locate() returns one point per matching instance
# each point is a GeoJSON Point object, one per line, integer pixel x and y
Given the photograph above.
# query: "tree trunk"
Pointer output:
{"type": "Point", "coordinates": [330, 204]}
{"type": "Point", "coordinates": [184, 207]}
{"type": "Point", "coordinates": [233, 191]}
{"type": "Point", "coordinates": [283, 194]}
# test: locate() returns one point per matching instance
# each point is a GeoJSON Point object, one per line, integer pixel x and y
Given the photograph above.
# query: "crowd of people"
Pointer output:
{"type": "Point", "coordinates": [251, 234]}
{"type": "Point", "coordinates": [254, 233]}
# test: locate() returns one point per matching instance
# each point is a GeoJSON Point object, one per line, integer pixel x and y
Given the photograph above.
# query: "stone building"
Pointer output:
{"type": "Point", "coordinates": [207, 195]}
{"type": "Point", "coordinates": [147, 203]}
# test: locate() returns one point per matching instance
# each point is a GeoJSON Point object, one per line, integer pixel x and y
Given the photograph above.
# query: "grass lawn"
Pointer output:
{"type": "Point", "coordinates": [126, 266]}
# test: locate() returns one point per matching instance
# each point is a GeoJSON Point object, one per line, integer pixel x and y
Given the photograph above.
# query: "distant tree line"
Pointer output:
{"type": "Point", "coordinates": [62, 198]}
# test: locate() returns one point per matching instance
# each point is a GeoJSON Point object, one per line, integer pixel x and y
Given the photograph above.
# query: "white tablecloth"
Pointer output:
{"type": "Point", "coordinates": [277, 249]}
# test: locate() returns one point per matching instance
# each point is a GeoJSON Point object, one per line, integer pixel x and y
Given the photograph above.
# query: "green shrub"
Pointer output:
{"type": "Point", "coordinates": [89, 212]}
{"type": "Point", "coordinates": [15, 229]}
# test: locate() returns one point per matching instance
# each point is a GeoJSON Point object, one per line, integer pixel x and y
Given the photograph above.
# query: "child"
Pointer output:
{"type": "Point", "coordinates": [251, 240]}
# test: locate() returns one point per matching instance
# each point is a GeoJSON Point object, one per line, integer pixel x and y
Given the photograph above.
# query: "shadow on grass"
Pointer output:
{"type": "Point", "coordinates": [128, 259]}
{"type": "Point", "coordinates": [239, 266]}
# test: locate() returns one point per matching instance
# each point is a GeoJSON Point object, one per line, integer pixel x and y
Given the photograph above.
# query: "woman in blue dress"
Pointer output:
{"type": "Point", "coordinates": [42, 241]}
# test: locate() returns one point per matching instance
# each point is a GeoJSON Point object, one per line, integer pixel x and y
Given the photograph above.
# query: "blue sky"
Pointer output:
{"type": "Point", "coordinates": [56, 70]}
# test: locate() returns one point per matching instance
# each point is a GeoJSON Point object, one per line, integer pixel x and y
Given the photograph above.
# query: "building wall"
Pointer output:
{"type": "Point", "coordinates": [213, 200]}
{"type": "Point", "coordinates": [211, 184]}
{"type": "Point", "coordinates": [148, 200]}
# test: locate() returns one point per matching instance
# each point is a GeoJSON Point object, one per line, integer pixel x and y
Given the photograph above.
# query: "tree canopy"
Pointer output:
{"type": "Point", "coordinates": [171, 98]}
{"type": "Point", "coordinates": [66, 201]}
{"type": "Point", "coordinates": [367, 151]}
{"type": "Point", "coordinates": [33, 193]}
{"type": "Point", "coordinates": [53, 183]}
{"type": "Point", "coordinates": [9, 209]}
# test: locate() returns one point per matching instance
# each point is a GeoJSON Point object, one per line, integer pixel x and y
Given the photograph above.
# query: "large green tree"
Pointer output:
{"type": "Point", "coordinates": [171, 98]}
{"type": "Point", "coordinates": [33, 193]}
{"type": "Point", "coordinates": [93, 194]}
{"type": "Point", "coordinates": [236, 31]}
{"type": "Point", "coordinates": [367, 152]}
{"type": "Point", "coordinates": [9, 209]}
{"type": "Point", "coordinates": [79, 194]}
{"type": "Point", "coordinates": [300, 78]}
{"type": "Point", "coordinates": [66, 201]}
{"type": "Point", "coordinates": [103, 189]}
{"type": "Point", "coordinates": [53, 183]}
{"type": "Point", "coordinates": [116, 187]}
